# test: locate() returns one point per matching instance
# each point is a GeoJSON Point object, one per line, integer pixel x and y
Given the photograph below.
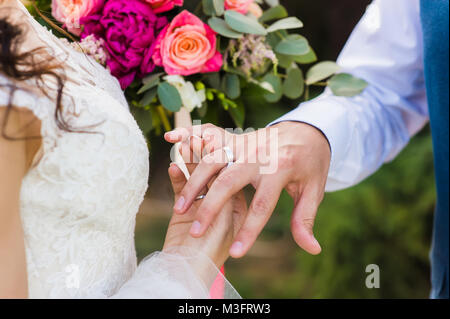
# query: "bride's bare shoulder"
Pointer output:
{"type": "Point", "coordinates": [20, 131]}
{"type": "Point", "coordinates": [13, 8]}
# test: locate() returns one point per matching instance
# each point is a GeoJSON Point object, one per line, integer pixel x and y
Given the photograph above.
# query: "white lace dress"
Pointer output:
{"type": "Point", "coordinates": [79, 202]}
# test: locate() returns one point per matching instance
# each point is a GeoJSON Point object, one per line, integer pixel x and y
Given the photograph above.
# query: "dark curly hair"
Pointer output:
{"type": "Point", "coordinates": [21, 66]}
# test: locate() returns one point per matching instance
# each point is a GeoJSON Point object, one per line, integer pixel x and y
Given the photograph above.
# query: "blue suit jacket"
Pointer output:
{"type": "Point", "coordinates": [435, 24]}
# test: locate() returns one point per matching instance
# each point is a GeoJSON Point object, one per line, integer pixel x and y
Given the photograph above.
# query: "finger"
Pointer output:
{"type": "Point", "coordinates": [177, 135]}
{"type": "Point", "coordinates": [176, 178]}
{"type": "Point", "coordinates": [261, 208]}
{"type": "Point", "coordinates": [188, 156]}
{"type": "Point", "coordinates": [240, 212]}
{"type": "Point", "coordinates": [303, 218]}
{"type": "Point", "coordinates": [213, 140]}
{"type": "Point", "coordinates": [181, 134]}
{"type": "Point", "coordinates": [208, 167]}
{"type": "Point", "coordinates": [196, 145]}
{"type": "Point", "coordinates": [227, 184]}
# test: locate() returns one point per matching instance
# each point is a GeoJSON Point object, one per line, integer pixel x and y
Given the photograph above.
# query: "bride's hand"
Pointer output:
{"type": "Point", "coordinates": [220, 235]}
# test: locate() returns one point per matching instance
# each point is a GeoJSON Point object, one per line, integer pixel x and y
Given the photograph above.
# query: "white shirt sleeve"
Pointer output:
{"type": "Point", "coordinates": [368, 130]}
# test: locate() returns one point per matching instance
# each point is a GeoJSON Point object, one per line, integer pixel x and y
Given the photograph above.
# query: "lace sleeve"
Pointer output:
{"type": "Point", "coordinates": [178, 273]}
{"type": "Point", "coordinates": [18, 97]}
{"type": "Point", "coordinates": [41, 107]}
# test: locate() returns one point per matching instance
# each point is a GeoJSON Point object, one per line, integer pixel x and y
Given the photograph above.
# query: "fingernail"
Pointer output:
{"type": "Point", "coordinates": [315, 241]}
{"type": "Point", "coordinates": [179, 204]}
{"type": "Point", "coordinates": [170, 135]}
{"type": "Point", "coordinates": [236, 248]}
{"type": "Point", "coordinates": [196, 227]}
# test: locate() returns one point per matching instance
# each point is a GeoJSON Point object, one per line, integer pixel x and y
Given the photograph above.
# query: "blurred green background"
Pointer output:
{"type": "Point", "coordinates": [386, 220]}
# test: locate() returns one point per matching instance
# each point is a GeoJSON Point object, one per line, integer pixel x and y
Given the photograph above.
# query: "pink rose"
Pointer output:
{"type": "Point", "coordinates": [159, 6]}
{"type": "Point", "coordinates": [70, 12]}
{"type": "Point", "coordinates": [255, 10]}
{"type": "Point", "coordinates": [187, 46]}
{"type": "Point", "coordinates": [240, 6]}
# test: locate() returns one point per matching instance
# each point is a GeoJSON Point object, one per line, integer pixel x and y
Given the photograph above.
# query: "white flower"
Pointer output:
{"type": "Point", "coordinates": [189, 95]}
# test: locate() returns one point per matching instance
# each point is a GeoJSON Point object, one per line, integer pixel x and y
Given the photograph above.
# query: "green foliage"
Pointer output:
{"type": "Point", "coordinates": [293, 44]}
{"type": "Point", "coordinates": [143, 118]}
{"type": "Point", "coordinates": [277, 12]}
{"type": "Point", "coordinates": [285, 24]}
{"type": "Point", "coordinates": [150, 82]}
{"type": "Point", "coordinates": [276, 84]}
{"type": "Point", "coordinates": [232, 86]}
{"type": "Point", "coordinates": [222, 28]}
{"type": "Point", "coordinates": [321, 71]}
{"type": "Point", "coordinates": [345, 84]}
{"type": "Point", "coordinates": [169, 97]}
{"type": "Point", "coordinates": [293, 85]}
{"type": "Point", "coordinates": [213, 7]}
{"type": "Point", "coordinates": [244, 24]}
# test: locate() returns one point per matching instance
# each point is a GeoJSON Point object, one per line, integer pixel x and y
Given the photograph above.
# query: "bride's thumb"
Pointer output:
{"type": "Point", "coordinates": [177, 178]}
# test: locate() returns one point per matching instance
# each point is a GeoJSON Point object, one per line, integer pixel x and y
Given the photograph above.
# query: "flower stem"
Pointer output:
{"type": "Point", "coordinates": [307, 93]}
{"type": "Point", "coordinates": [164, 119]}
{"type": "Point", "coordinates": [320, 84]}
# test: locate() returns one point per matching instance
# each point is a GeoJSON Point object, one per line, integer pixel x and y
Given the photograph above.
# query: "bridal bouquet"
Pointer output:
{"type": "Point", "coordinates": [170, 54]}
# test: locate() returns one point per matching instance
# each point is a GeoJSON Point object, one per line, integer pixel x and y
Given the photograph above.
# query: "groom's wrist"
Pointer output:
{"type": "Point", "coordinates": [331, 119]}
{"type": "Point", "coordinates": [303, 128]}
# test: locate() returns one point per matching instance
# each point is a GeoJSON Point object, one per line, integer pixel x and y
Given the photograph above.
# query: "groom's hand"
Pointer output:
{"type": "Point", "coordinates": [301, 155]}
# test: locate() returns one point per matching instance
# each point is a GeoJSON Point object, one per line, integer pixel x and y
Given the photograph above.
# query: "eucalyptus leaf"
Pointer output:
{"type": "Point", "coordinates": [236, 71]}
{"type": "Point", "coordinates": [241, 23]}
{"type": "Point", "coordinates": [293, 44]}
{"type": "Point", "coordinates": [345, 84]}
{"type": "Point", "coordinates": [273, 3]}
{"type": "Point", "coordinates": [285, 24]}
{"type": "Point", "coordinates": [266, 86]}
{"type": "Point", "coordinates": [285, 61]}
{"type": "Point", "coordinates": [275, 81]}
{"type": "Point", "coordinates": [219, 7]}
{"type": "Point", "coordinates": [222, 28]}
{"type": "Point", "coordinates": [238, 114]}
{"type": "Point", "coordinates": [273, 39]}
{"type": "Point", "coordinates": [294, 84]}
{"type": "Point", "coordinates": [213, 79]}
{"type": "Point", "coordinates": [150, 82]}
{"type": "Point", "coordinates": [169, 97]}
{"type": "Point", "coordinates": [307, 58]}
{"type": "Point", "coordinates": [277, 12]}
{"type": "Point", "coordinates": [232, 86]}
{"type": "Point", "coordinates": [208, 7]}
{"type": "Point", "coordinates": [321, 71]}
{"type": "Point", "coordinates": [148, 97]}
